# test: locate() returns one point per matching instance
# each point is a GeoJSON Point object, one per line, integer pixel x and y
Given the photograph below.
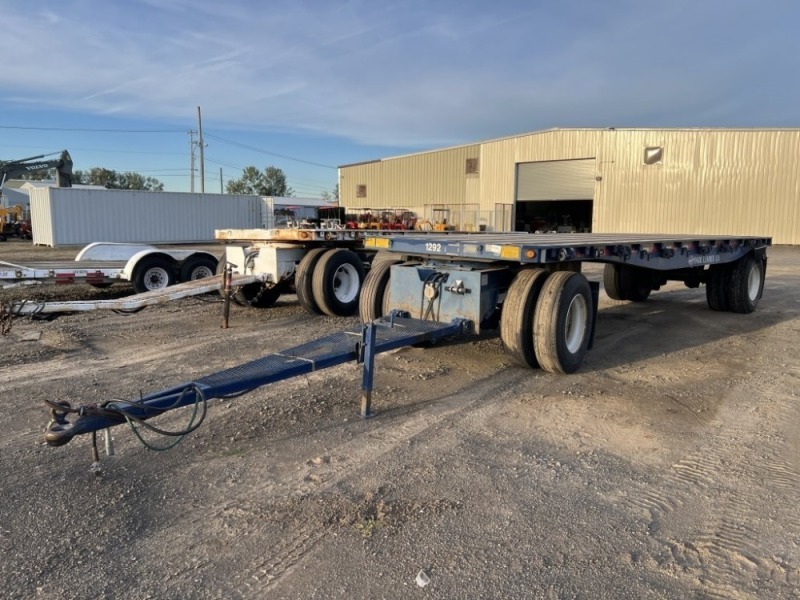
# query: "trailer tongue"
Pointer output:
{"type": "Point", "coordinates": [359, 344]}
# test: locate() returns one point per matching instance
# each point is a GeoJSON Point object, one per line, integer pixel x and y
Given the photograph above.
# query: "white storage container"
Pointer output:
{"type": "Point", "coordinates": [72, 216]}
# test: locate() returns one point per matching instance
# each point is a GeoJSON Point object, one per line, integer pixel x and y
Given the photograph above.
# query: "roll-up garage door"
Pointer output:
{"type": "Point", "coordinates": [556, 180]}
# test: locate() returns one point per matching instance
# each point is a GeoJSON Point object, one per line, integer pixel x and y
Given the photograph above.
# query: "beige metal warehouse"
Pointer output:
{"type": "Point", "coordinates": [713, 181]}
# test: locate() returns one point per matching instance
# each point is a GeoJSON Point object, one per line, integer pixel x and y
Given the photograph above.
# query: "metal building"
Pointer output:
{"type": "Point", "coordinates": [670, 181]}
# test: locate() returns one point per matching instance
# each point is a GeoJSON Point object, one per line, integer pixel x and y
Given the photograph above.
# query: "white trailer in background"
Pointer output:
{"type": "Point", "coordinates": [102, 264]}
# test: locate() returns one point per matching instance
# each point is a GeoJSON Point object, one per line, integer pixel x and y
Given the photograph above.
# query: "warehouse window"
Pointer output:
{"type": "Point", "coordinates": [361, 191]}
{"type": "Point", "coordinates": [472, 166]}
{"type": "Point", "coordinates": [653, 155]}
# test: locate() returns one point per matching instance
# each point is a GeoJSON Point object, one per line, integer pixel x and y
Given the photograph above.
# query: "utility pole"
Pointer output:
{"type": "Point", "coordinates": [202, 162]}
{"type": "Point", "coordinates": [191, 158]}
{"type": "Point", "coordinates": [220, 181]}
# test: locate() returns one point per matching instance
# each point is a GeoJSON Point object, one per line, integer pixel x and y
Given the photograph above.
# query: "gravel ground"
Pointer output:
{"type": "Point", "coordinates": [667, 467]}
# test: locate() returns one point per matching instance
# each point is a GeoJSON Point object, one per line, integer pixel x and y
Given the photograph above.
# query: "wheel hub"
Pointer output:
{"type": "Point", "coordinates": [575, 330]}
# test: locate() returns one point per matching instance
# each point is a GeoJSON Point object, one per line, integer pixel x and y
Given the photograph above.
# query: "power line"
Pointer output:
{"type": "Point", "coordinates": [73, 149]}
{"type": "Point", "coordinates": [254, 149]}
{"type": "Point", "coordinates": [87, 129]}
{"type": "Point", "coordinates": [295, 183]}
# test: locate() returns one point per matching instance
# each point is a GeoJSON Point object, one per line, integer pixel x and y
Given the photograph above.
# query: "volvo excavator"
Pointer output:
{"type": "Point", "coordinates": [15, 168]}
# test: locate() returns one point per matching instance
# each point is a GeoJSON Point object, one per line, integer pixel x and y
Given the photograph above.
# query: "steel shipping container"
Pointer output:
{"type": "Point", "coordinates": [71, 216]}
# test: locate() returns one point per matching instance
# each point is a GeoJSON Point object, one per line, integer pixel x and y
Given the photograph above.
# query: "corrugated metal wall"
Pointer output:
{"type": "Point", "coordinates": [71, 216]}
{"type": "Point", "coordinates": [709, 181]}
{"type": "Point", "coordinates": [411, 182]}
{"type": "Point", "coordinates": [737, 182]}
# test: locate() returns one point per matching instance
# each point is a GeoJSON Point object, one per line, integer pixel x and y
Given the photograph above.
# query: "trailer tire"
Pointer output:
{"type": "Point", "coordinates": [337, 282]}
{"type": "Point", "coordinates": [717, 286]}
{"type": "Point", "coordinates": [611, 282]}
{"type": "Point", "coordinates": [746, 284]}
{"type": "Point", "coordinates": [517, 316]}
{"type": "Point", "coordinates": [198, 267]}
{"type": "Point", "coordinates": [256, 295]}
{"type": "Point", "coordinates": [373, 302]}
{"type": "Point", "coordinates": [563, 322]}
{"type": "Point", "coordinates": [304, 280]}
{"type": "Point", "coordinates": [153, 273]}
{"type": "Point", "coordinates": [623, 282]}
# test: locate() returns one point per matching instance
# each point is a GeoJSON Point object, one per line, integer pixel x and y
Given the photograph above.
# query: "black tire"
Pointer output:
{"type": "Point", "coordinates": [337, 281]}
{"type": "Point", "coordinates": [746, 284]}
{"type": "Point", "coordinates": [304, 278]}
{"type": "Point", "coordinates": [611, 282]}
{"type": "Point", "coordinates": [563, 322]}
{"type": "Point", "coordinates": [374, 296]}
{"type": "Point", "coordinates": [635, 284]}
{"type": "Point", "coordinates": [256, 295]}
{"type": "Point", "coordinates": [623, 282]}
{"type": "Point", "coordinates": [516, 318]}
{"type": "Point", "coordinates": [383, 255]}
{"type": "Point", "coordinates": [198, 267]}
{"type": "Point", "coordinates": [717, 284]}
{"type": "Point", "coordinates": [153, 273]}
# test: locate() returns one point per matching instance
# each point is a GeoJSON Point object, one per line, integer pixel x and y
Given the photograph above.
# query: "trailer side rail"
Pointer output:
{"type": "Point", "coordinates": [653, 251]}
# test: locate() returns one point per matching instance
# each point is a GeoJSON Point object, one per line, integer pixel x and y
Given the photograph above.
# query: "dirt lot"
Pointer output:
{"type": "Point", "coordinates": [667, 467]}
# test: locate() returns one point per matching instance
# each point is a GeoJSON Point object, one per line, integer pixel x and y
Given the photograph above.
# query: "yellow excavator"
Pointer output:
{"type": "Point", "coordinates": [11, 222]}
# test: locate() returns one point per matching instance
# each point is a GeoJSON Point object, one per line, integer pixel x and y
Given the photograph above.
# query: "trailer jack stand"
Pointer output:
{"type": "Point", "coordinates": [366, 356]}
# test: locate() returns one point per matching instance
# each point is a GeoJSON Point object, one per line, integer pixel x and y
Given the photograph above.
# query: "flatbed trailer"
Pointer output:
{"type": "Point", "coordinates": [441, 285]}
{"type": "Point", "coordinates": [101, 264]}
{"type": "Point", "coordinates": [532, 286]}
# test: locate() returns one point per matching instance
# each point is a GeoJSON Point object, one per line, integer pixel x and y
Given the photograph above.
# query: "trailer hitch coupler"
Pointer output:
{"type": "Point", "coordinates": [59, 430]}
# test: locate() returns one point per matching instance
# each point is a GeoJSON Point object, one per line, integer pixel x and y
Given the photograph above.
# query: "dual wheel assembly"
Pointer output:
{"type": "Point", "coordinates": [736, 287]}
{"type": "Point", "coordinates": [546, 321]}
{"type": "Point", "coordinates": [157, 272]}
{"type": "Point", "coordinates": [328, 281]}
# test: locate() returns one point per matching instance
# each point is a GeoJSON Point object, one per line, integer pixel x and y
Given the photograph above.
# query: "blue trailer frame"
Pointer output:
{"type": "Point", "coordinates": [431, 286]}
{"type": "Point", "coordinates": [532, 286]}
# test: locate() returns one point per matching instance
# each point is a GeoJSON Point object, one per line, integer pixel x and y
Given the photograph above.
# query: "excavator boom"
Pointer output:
{"type": "Point", "coordinates": [15, 168]}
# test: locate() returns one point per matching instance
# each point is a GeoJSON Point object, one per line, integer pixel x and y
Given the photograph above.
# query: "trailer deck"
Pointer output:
{"type": "Point", "coordinates": [653, 251]}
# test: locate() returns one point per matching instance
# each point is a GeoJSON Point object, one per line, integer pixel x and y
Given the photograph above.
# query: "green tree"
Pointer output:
{"type": "Point", "coordinates": [108, 178]}
{"type": "Point", "coordinates": [331, 196]}
{"type": "Point", "coordinates": [270, 182]}
{"type": "Point", "coordinates": [112, 180]}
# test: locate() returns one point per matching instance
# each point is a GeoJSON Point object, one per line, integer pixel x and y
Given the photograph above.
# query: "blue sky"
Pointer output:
{"type": "Point", "coordinates": [310, 85]}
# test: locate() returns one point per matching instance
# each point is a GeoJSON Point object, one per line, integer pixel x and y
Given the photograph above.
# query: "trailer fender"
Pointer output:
{"type": "Point", "coordinates": [113, 251]}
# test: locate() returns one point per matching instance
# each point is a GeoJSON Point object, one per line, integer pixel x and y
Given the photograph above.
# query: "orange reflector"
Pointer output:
{"type": "Point", "coordinates": [531, 254]}
{"type": "Point", "coordinates": [512, 252]}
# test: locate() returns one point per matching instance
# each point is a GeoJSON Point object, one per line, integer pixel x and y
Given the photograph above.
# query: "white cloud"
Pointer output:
{"type": "Point", "coordinates": [409, 74]}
